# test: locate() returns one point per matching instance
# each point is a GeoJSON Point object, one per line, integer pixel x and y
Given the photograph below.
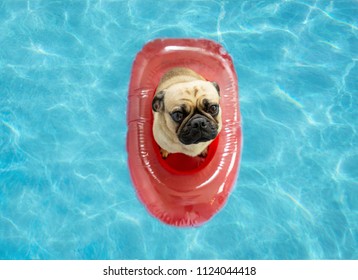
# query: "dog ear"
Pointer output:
{"type": "Point", "coordinates": [158, 102]}
{"type": "Point", "coordinates": [215, 84]}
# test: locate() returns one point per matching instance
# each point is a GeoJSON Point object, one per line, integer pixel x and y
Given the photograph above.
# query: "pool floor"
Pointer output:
{"type": "Point", "coordinates": [65, 189]}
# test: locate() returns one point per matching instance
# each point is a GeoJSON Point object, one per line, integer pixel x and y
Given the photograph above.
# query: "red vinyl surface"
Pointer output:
{"type": "Point", "coordinates": [182, 190]}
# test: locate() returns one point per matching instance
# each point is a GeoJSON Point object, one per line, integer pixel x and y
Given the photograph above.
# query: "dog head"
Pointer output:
{"type": "Point", "coordinates": [189, 110]}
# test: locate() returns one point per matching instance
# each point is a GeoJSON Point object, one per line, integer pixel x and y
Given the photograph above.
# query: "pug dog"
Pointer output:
{"type": "Point", "coordinates": [187, 114]}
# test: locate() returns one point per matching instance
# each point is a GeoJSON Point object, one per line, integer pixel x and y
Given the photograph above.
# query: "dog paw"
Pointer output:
{"type": "Point", "coordinates": [204, 153]}
{"type": "Point", "coordinates": [164, 153]}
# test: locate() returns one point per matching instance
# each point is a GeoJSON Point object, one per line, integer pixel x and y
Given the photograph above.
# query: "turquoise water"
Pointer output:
{"type": "Point", "coordinates": [65, 190]}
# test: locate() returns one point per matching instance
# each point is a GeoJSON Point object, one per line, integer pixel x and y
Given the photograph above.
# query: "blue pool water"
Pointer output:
{"type": "Point", "coordinates": [65, 189]}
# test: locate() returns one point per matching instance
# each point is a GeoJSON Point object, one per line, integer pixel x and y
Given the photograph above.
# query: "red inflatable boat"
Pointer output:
{"type": "Point", "coordinates": [182, 190]}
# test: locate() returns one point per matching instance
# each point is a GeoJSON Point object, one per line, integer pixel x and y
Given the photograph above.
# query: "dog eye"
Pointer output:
{"type": "Point", "coordinates": [177, 116]}
{"type": "Point", "coordinates": [213, 109]}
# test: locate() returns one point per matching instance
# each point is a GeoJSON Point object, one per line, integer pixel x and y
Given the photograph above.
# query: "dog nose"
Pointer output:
{"type": "Point", "coordinates": [199, 123]}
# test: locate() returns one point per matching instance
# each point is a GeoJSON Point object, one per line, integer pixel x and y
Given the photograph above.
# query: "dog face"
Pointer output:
{"type": "Point", "coordinates": [187, 116]}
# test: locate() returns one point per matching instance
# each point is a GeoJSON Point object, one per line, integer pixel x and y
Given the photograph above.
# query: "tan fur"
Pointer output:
{"type": "Point", "coordinates": [178, 75]}
{"type": "Point", "coordinates": [182, 87]}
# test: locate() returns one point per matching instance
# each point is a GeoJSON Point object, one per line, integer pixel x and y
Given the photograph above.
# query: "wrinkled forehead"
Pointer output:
{"type": "Point", "coordinates": [191, 94]}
